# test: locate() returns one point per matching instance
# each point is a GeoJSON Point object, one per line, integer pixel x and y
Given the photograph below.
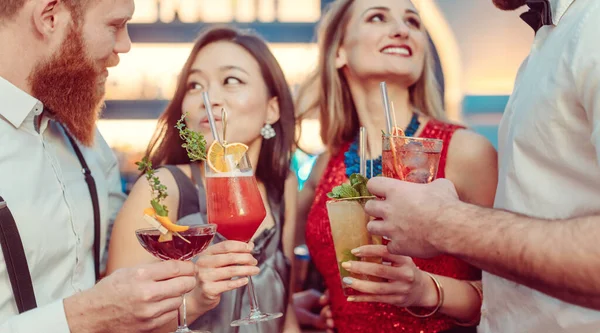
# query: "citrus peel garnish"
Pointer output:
{"type": "Point", "coordinates": [218, 153]}
{"type": "Point", "coordinates": [164, 221]}
{"type": "Point", "coordinates": [396, 131]}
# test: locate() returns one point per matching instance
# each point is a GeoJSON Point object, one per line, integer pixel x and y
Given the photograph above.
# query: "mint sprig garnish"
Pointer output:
{"type": "Point", "coordinates": [194, 142]}
{"type": "Point", "coordinates": [159, 191]}
{"type": "Point", "coordinates": [356, 189]}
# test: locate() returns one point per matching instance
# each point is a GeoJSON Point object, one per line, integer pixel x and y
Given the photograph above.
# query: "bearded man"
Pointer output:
{"type": "Point", "coordinates": [53, 218]}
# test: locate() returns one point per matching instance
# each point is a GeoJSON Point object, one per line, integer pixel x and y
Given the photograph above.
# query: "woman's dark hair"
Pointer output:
{"type": "Point", "coordinates": [275, 154]}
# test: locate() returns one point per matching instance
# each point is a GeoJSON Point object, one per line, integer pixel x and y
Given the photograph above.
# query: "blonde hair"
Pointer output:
{"type": "Point", "coordinates": [326, 90]}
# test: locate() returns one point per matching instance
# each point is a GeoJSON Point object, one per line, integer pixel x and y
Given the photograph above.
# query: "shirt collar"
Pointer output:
{"type": "Point", "coordinates": [545, 12]}
{"type": "Point", "coordinates": [559, 8]}
{"type": "Point", "coordinates": [16, 105]}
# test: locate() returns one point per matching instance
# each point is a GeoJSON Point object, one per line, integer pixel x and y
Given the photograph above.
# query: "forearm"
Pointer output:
{"type": "Point", "coordinates": [559, 258]}
{"type": "Point", "coordinates": [461, 301]}
{"type": "Point", "coordinates": [291, 323]}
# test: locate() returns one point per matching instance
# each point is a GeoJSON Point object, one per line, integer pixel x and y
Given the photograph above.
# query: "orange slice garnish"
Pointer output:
{"type": "Point", "coordinates": [216, 155]}
{"type": "Point", "coordinates": [165, 221]}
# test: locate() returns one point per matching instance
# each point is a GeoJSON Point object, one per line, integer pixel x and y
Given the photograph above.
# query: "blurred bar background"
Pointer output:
{"type": "Point", "coordinates": [478, 48]}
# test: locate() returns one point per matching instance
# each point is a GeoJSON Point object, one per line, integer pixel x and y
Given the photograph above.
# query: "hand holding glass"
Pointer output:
{"type": "Point", "coordinates": [198, 238]}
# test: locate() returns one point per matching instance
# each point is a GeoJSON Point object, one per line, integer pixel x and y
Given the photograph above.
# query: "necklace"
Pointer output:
{"type": "Point", "coordinates": [352, 160]}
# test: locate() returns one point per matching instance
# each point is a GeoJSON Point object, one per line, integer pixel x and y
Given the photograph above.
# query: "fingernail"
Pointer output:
{"type": "Point", "coordinates": [351, 299]}
{"type": "Point", "coordinates": [346, 265]}
{"type": "Point", "coordinates": [250, 246]}
{"type": "Point", "coordinates": [347, 280]}
{"type": "Point", "coordinates": [355, 251]}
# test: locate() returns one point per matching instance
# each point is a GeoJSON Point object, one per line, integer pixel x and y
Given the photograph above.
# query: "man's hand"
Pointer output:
{"type": "Point", "coordinates": [409, 213]}
{"type": "Point", "coordinates": [139, 299]}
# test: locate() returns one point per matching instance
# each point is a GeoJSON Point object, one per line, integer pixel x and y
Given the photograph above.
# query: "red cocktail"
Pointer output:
{"type": "Point", "coordinates": [177, 248]}
{"type": "Point", "coordinates": [183, 246]}
{"type": "Point", "coordinates": [235, 205]}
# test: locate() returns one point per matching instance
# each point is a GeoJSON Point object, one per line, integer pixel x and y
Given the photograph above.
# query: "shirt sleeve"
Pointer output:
{"type": "Point", "coordinates": [50, 319]}
{"type": "Point", "coordinates": [586, 71]}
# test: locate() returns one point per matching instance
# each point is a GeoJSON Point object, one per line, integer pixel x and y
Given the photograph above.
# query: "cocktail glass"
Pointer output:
{"type": "Point", "coordinates": [348, 222]}
{"type": "Point", "coordinates": [197, 238]}
{"type": "Point", "coordinates": [410, 159]}
{"type": "Point", "coordinates": [235, 204]}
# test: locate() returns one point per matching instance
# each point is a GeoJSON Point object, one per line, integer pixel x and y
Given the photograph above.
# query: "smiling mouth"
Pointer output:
{"type": "Point", "coordinates": [403, 51]}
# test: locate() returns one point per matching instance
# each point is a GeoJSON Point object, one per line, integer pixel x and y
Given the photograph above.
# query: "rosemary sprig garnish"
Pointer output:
{"type": "Point", "coordinates": [194, 142]}
{"type": "Point", "coordinates": [159, 191]}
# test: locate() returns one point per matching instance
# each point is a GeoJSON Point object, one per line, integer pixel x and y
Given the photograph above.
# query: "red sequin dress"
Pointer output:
{"type": "Point", "coordinates": [350, 317]}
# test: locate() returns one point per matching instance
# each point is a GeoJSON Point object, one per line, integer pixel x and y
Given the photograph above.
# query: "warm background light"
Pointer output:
{"type": "Point", "coordinates": [150, 71]}
{"type": "Point", "coordinates": [192, 11]}
{"type": "Point", "coordinates": [480, 50]}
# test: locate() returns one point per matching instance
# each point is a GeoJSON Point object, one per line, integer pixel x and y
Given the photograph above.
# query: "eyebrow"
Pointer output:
{"type": "Point", "coordinates": [231, 67]}
{"type": "Point", "coordinates": [121, 20]}
{"type": "Point", "coordinates": [222, 69]}
{"type": "Point", "coordinates": [387, 9]}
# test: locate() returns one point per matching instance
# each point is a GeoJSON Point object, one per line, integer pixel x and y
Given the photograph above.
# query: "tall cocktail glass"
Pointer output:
{"type": "Point", "coordinates": [235, 204]}
{"type": "Point", "coordinates": [348, 222]}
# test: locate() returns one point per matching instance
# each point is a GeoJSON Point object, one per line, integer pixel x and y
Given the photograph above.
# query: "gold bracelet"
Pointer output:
{"type": "Point", "coordinates": [475, 320]}
{"type": "Point", "coordinates": [440, 292]}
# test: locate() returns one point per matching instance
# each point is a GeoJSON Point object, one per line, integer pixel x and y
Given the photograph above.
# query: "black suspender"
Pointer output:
{"type": "Point", "coordinates": [89, 179]}
{"type": "Point", "coordinates": [16, 262]}
{"type": "Point", "coordinates": [12, 246]}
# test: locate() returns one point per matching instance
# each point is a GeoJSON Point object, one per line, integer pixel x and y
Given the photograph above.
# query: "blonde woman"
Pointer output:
{"type": "Point", "coordinates": [362, 43]}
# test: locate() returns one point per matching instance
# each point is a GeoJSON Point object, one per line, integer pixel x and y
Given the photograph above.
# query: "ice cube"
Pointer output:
{"type": "Point", "coordinates": [421, 176]}
{"type": "Point", "coordinates": [413, 146]}
{"type": "Point", "coordinates": [414, 160]}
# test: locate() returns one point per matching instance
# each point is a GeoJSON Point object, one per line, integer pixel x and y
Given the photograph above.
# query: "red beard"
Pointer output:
{"type": "Point", "coordinates": [509, 4]}
{"type": "Point", "coordinates": [71, 86]}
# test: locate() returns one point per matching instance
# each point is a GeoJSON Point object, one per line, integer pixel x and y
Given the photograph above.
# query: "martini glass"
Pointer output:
{"type": "Point", "coordinates": [197, 238]}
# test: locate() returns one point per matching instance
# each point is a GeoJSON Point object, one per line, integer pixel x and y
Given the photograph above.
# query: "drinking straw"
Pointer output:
{"type": "Point", "coordinates": [386, 106]}
{"type": "Point", "coordinates": [388, 120]}
{"type": "Point", "coordinates": [211, 119]}
{"type": "Point", "coordinates": [224, 121]}
{"type": "Point", "coordinates": [363, 145]}
{"type": "Point", "coordinates": [394, 115]}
